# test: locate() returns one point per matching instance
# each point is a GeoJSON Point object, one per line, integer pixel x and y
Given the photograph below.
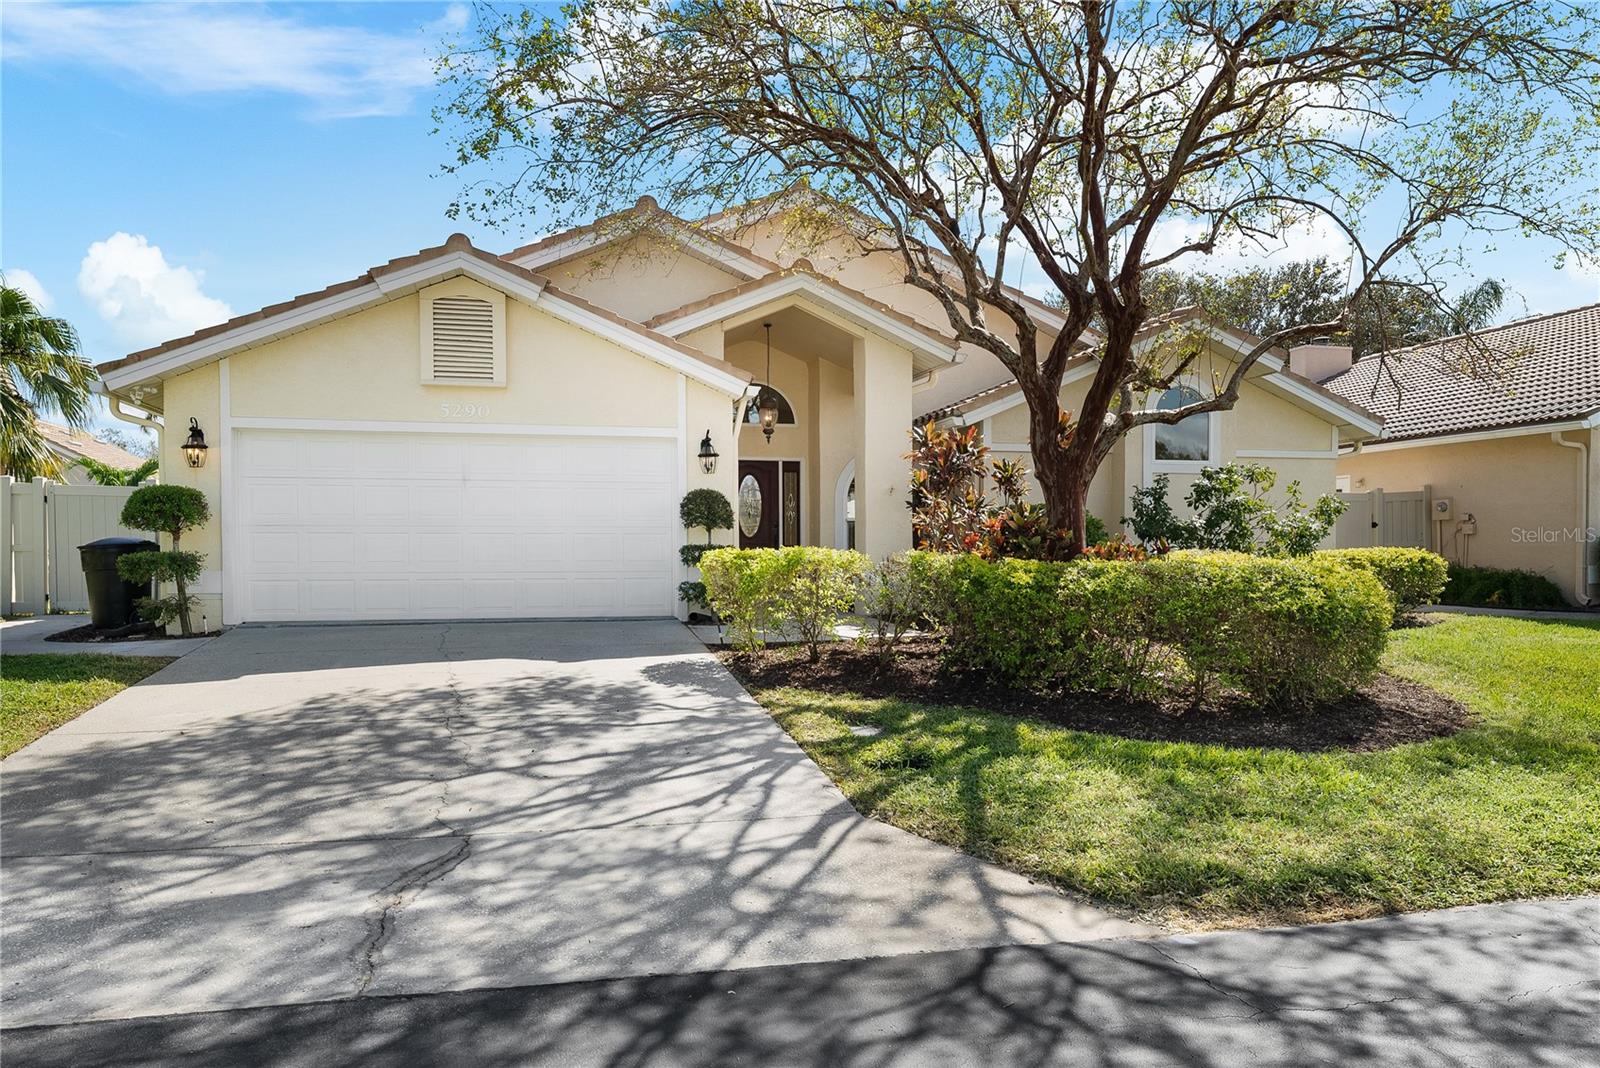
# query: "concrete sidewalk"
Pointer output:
{"type": "Point", "coordinates": [1497, 985]}
{"type": "Point", "coordinates": [30, 635]}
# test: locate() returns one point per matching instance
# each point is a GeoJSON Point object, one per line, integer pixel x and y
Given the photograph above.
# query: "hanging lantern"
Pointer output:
{"type": "Point", "coordinates": [708, 455]}
{"type": "Point", "coordinates": [767, 404]}
{"type": "Point", "coordinates": [194, 449]}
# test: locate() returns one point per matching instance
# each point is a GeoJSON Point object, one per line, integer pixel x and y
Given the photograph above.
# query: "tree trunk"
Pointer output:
{"type": "Point", "coordinates": [1063, 482]}
{"type": "Point", "coordinates": [183, 609]}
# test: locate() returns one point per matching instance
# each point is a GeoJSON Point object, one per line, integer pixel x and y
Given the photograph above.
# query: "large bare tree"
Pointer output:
{"type": "Point", "coordinates": [1097, 141]}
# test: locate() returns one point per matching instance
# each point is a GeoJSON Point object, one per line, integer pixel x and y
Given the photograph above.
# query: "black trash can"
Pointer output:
{"type": "Point", "coordinates": [112, 602]}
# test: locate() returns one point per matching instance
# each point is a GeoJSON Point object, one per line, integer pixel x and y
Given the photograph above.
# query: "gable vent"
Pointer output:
{"type": "Point", "coordinates": [463, 339]}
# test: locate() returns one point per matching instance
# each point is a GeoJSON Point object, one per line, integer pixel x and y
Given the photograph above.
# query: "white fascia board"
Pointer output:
{"type": "Point", "coordinates": [584, 319]}
{"type": "Point", "coordinates": [586, 242]}
{"type": "Point", "coordinates": [409, 279]}
{"type": "Point", "coordinates": [1539, 429]}
{"type": "Point", "coordinates": [863, 314]}
{"type": "Point", "coordinates": [246, 335]}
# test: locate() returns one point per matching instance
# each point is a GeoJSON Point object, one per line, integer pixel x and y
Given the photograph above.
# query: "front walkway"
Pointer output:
{"type": "Point", "coordinates": [301, 814]}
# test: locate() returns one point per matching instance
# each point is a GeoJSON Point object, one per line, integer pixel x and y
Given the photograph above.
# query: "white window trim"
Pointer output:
{"type": "Point", "coordinates": [1189, 467]}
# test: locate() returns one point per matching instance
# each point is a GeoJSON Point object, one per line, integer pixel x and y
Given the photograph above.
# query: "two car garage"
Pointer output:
{"type": "Point", "coordinates": [408, 525]}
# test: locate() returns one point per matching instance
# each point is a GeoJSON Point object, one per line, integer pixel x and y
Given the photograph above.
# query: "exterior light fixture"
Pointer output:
{"type": "Point", "coordinates": [194, 449]}
{"type": "Point", "coordinates": [767, 405]}
{"type": "Point", "coordinates": [708, 454]}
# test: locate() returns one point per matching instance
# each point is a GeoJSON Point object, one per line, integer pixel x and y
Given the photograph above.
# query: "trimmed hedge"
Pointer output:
{"type": "Point", "coordinates": [802, 590]}
{"type": "Point", "coordinates": [1413, 577]}
{"type": "Point", "coordinates": [1494, 587]}
{"type": "Point", "coordinates": [1284, 632]}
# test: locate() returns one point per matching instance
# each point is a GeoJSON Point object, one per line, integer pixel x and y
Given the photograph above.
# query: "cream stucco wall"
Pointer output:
{"type": "Point", "coordinates": [639, 278]}
{"type": "Point", "coordinates": [1262, 428]}
{"type": "Point", "coordinates": [198, 395]}
{"type": "Point", "coordinates": [367, 368]}
{"type": "Point", "coordinates": [1522, 491]}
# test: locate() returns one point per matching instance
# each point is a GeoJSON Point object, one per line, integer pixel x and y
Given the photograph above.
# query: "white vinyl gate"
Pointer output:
{"type": "Point", "coordinates": [1378, 517]}
{"type": "Point", "coordinates": [42, 523]}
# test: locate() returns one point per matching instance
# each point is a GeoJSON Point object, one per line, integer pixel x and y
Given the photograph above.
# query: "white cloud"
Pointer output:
{"type": "Point", "coordinates": [1306, 240]}
{"type": "Point", "coordinates": [144, 298]}
{"type": "Point", "coordinates": [342, 71]}
{"type": "Point", "coordinates": [29, 283]}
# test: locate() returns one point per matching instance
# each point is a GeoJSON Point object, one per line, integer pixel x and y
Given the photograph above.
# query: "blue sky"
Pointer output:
{"type": "Point", "coordinates": [168, 165]}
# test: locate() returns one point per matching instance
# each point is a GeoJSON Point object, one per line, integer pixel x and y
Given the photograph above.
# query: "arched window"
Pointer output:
{"type": "Point", "coordinates": [1188, 441]}
{"type": "Point", "coordinates": [752, 416]}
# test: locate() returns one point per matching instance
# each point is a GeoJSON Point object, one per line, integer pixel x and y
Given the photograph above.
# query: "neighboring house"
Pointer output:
{"type": "Point", "coordinates": [461, 434]}
{"type": "Point", "coordinates": [1282, 419]}
{"type": "Point", "coordinates": [1510, 462]}
{"type": "Point", "coordinates": [74, 445]}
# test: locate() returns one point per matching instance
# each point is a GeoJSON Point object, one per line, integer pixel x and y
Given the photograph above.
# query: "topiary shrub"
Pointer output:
{"type": "Point", "coordinates": [1494, 587]}
{"type": "Point", "coordinates": [1412, 577]}
{"type": "Point", "coordinates": [708, 510]}
{"type": "Point", "coordinates": [173, 511]}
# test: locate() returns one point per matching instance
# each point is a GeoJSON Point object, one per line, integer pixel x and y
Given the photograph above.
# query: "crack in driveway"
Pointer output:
{"type": "Point", "coordinates": [395, 897]}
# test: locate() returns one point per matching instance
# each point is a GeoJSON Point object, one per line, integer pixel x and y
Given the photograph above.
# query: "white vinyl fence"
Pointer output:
{"type": "Point", "coordinates": [1379, 517]}
{"type": "Point", "coordinates": [42, 523]}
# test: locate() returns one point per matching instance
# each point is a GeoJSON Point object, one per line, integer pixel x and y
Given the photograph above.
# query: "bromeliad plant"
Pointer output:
{"type": "Point", "coordinates": [951, 514]}
{"type": "Point", "coordinates": [173, 511]}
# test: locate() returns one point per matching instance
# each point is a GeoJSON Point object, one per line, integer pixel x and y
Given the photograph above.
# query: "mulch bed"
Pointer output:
{"type": "Point", "coordinates": [1388, 712]}
{"type": "Point", "coordinates": [87, 633]}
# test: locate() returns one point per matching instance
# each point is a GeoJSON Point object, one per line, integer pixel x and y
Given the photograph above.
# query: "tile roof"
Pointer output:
{"type": "Point", "coordinates": [78, 443]}
{"type": "Point", "coordinates": [1544, 369]}
{"type": "Point", "coordinates": [803, 267]}
{"type": "Point", "coordinates": [1155, 326]}
{"type": "Point", "coordinates": [455, 243]}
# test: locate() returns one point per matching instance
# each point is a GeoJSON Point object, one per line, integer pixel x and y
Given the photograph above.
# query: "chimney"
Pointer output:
{"type": "Point", "coordinates": [1321, 361]}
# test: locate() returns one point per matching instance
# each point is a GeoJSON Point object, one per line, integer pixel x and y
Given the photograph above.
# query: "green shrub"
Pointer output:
{"type": "Point", "coordinates": [1284, 632]}
{"type": "Point", "coordinates": [707, 509]}
{"type": "Point", "coordinates": [740, 588]}
{"type": "Point", "coordinates": [1230, 511]}
{"type": "Point", "coordinates": [169, 510]}
{"type": "Point", "coordinates": [816, 587]}
{"type": "Point", "coordinates": [1412, 577]}
{"type": "Point", "coordinates": [1493, 587]}
{"type": "Point", "coordinates": [899, 593]}
{"type": "Point", "coordinates": [802, 589]}
{"type": "Point", "coordinates": [1004, 617]}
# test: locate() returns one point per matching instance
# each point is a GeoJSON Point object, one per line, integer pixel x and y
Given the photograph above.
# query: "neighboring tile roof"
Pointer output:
{"type": "Point", "coordinates": [79, 443]}
{"type": "Point", "coordinates": [1546, 369]}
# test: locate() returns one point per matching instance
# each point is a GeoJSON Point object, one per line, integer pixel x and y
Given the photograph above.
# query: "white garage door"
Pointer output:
{"type": "Point", "coordinates": [337, 526]}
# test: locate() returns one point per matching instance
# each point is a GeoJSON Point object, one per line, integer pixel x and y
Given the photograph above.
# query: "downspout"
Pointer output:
{"type": "Point", "coordinates": [1582, 586]}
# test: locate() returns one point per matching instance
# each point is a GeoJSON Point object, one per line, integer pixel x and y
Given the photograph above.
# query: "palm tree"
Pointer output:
{"type": "Point", "coordinates": [40, 368]}
{"type": "Point", "coordinates": [105, 475]}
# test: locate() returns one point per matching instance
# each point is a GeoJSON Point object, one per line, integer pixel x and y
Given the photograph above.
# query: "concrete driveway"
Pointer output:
{"type": "Point", "coordinates": [300, 814]}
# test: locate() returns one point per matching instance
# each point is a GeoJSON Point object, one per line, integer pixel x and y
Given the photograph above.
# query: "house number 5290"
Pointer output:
{"type": "Point", "coordinates": [463, 411]}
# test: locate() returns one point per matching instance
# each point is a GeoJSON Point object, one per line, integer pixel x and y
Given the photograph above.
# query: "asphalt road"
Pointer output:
{"type": "Point", "coordinates": [1501, 985]}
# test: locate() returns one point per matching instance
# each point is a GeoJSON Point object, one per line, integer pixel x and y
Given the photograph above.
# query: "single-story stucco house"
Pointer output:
{"type": "Point", "coordinates": [459, 434]}
{"type": "Point", "coordinates": [1510, 458]}
{"type": "Point", "coordinates": [71, 445]}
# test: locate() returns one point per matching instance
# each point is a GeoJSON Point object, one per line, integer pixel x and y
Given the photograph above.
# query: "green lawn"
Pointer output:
{"type": "Point", "coordinates": [40, 692]}
{"type": "Point", "coordinates": [1203, 835]}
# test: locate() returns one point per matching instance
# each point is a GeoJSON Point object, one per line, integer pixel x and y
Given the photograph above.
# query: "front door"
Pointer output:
{"type": "Point", "coordinates": [768, 511]}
